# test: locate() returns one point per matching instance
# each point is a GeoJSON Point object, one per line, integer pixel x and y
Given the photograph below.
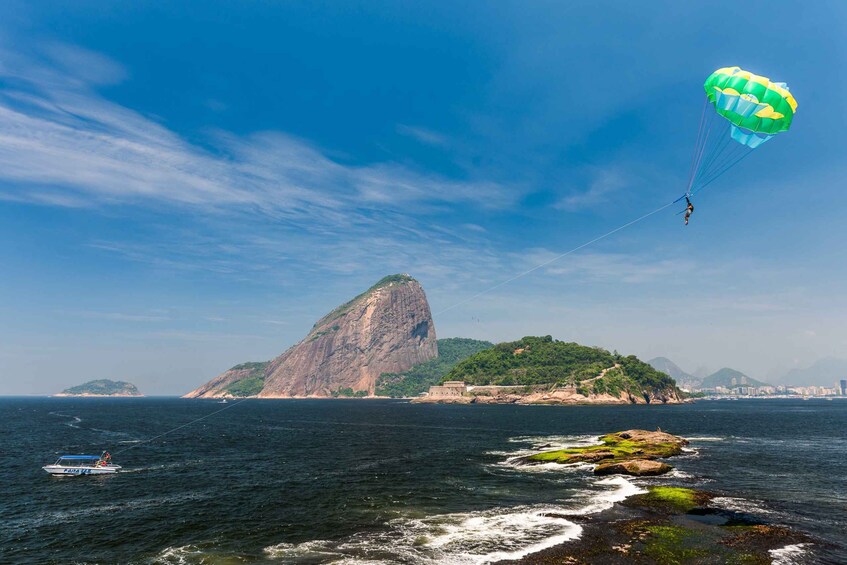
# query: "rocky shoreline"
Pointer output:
{"type": "Point", "coordinates": [631, 452]}
{"type": "Point", "coordinates": [89, 395]}
{"type": "Point", "coordinates": [546, 394]}
{"type": "Point", "coordinates": [664, 525]}
{"type": "Point", "coordinates": [669, 525]}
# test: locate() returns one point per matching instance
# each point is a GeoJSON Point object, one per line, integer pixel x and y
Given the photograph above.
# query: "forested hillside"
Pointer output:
{"type": "Point", "coordinates": [419, 378]}
{"type": "Point", "coordinates": [543, 360]}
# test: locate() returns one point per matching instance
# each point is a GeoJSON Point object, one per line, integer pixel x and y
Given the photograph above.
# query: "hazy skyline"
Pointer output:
{"type": "Point", "coordinates": [187, 187]}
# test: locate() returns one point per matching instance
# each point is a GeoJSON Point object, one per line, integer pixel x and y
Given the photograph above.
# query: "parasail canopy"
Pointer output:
{"type": "Point", "coordinates": [757, 108]}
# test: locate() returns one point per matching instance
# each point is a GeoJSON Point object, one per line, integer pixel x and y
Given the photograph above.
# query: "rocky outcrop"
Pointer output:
{"type": "Point", "coordinates": [675, 525]}
{"type": "Point", "coordinates": [386, 329]}
{"type": "Point", "coordinates": [635, 467]}
{"type": "Point", "coordinates": [631, 452]}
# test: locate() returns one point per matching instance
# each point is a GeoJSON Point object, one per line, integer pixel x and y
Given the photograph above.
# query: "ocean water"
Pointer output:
{"type": "Point", "coordinates": [359, 481]}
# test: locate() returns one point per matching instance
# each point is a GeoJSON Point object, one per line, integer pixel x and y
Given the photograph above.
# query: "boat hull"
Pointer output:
{"type": "Point", "coordinates": [82, 470]}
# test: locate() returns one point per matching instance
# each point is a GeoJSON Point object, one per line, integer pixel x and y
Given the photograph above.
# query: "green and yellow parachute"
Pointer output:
{"type": "Point", "coordinates": [757, 108]}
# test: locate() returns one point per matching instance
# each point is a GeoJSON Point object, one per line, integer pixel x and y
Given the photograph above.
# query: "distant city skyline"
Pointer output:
{"type": "Point", "coordinates": [187, 187]}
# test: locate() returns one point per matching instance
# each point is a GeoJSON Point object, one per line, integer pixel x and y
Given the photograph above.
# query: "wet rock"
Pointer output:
{"type": "Point", "coordinates": [635, 467]}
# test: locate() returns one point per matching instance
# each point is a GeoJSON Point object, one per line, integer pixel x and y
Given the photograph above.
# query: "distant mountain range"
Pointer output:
{"type": "Point", "coordinates": [723, 377]}
{"type": "Point", "coordinates": [824, 372]}
{"type": "Point", "coordinates": [683, 379]}
{"type": "Point", "coordinates": [729, 378]}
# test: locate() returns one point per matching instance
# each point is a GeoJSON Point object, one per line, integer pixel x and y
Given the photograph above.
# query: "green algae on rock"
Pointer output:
{"type": "Point", "coordinates": [631, 452]}
{"type": "Point", "coordinates": [676, 498]}
{"type": "Point", "coordinates": [665, 526]}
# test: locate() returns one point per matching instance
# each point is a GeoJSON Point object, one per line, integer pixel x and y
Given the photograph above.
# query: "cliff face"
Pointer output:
{"type": "Point", "coordinates": [387, 329]}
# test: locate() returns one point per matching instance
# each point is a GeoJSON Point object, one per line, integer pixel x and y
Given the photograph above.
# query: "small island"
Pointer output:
{"type": "Point", "coordinates": [632, 452]}
{"type": "Point", "coordinates": [102, 387]}
{"type": "Point", "coordinates": [542, 370]}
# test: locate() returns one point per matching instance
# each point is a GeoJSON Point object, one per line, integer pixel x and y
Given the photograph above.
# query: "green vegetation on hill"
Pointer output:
{"type": "Point", "coordinates": [252, 384]}
{"type": "Point", "coordinates": [348, 392]}
{"type": "Point", "coordinates": [543, 360]}
{"type": "Point", "coordinates": [419, 378]}
{"type": "Point", "coordinates": [725, 377]}
{"type": "Point", "coordinates": [104, 387]}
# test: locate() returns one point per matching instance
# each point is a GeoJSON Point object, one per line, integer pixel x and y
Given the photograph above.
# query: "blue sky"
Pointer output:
{"type": "Point", "coordinates": [186, 187]}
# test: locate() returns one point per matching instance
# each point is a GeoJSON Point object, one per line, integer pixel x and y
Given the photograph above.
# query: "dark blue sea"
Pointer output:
{"type": "Point", "coordinates": [361, 481]}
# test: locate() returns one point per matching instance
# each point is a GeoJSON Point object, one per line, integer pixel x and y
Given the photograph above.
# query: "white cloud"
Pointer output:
{"type": "Point", "coordinates": [62, 144]}
{"type": "Point", "coordinates": [89, 66]}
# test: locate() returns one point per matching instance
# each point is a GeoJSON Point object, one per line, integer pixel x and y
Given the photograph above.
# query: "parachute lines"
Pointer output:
{"type": "Point", "coordinates": [554, 259]}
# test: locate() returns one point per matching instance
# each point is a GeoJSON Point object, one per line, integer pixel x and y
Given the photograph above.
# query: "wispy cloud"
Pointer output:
{"type": "Point", "coordinates": [154, 316]}
{"type": "Point", "coordinates": [63, 144]}
{"type": "Point", "coordinates": [422, 135]}
{"type": "Point", "coordinates": [604, 184]}
{"type": "Point", "coordinates": [592, 267]}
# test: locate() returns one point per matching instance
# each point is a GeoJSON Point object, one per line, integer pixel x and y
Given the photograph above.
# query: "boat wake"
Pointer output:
{"type": "Point", "coordinates": [74, 419]}
{"type": "Point", "coordinates": [52, 518]}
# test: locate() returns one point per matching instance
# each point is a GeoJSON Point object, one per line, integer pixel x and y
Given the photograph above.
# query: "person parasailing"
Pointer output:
{"type": "Point", "coordinates": [688, 209]}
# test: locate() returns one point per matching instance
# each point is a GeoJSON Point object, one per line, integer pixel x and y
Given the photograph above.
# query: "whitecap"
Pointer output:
{"type": "Point", "coordinates": [622, 488]}
{"type": "Point", "coordinates": [790, 554]}
{"type": "Point", "coordinates": [177, 555]}
{"type": "Point", "coordinates": [466, 537]}
{"type": "Point", "coordinates": [543, 444]}
{"type": "Point", "coordinates": [550, 467]}
{"type": "Point", "coordinates": [460, 538]}
{"type": "Point", "coordinates": [557, 441]}
{"type": "Point", "coordinates": [741, 505]}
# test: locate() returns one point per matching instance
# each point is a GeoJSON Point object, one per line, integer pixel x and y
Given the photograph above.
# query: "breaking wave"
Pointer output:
{"type": "Point", "coordinates": [465, 537]}
{"type": "Point", "coordinates": [790, 554]}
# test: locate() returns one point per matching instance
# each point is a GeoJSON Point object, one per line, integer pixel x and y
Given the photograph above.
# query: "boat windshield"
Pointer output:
{"type": "Point", "coordinates": [77, 460]}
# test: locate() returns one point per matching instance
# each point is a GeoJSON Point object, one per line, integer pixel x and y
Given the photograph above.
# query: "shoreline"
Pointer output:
{"type": "Point", "coordinates": [659, 523]}
{"type": "Point", "coordinates": [90, 395]}
{"type": "Point", "coordinates": [643, 529]}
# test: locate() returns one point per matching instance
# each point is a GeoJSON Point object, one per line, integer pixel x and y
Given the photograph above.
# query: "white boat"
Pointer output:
{"type": "Point", "coordinates": [82, 465]}
{"type": "Point", "coordinates": [222, 401]}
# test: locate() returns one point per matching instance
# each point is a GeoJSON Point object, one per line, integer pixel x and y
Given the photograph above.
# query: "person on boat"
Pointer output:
{"type": "Point", "coordinates": [105, 458]}
{"type": "Point", "coordinates": [688, 209]}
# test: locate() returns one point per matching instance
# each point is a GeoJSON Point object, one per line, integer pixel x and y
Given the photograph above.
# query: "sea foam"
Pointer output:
{"type": "Point", "coordinates": [789, 555]}
{"type": "Point", "coordinates": [466, 537]}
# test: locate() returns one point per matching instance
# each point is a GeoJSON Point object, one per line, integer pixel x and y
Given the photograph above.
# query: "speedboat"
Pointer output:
{"type": "Point", "coordinates": [82, 465]}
